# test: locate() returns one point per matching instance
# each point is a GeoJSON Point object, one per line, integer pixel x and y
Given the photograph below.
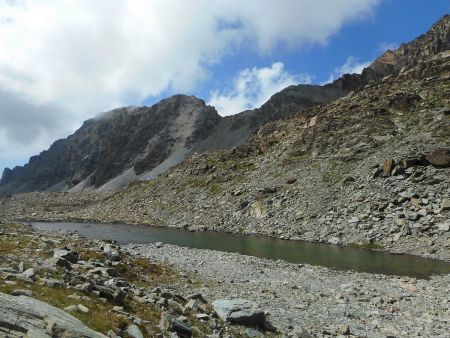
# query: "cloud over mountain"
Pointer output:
{"type": "Point", "coordinates": [82, 57]}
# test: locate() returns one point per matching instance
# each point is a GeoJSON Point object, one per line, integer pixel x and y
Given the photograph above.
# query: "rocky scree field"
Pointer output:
{"type": "Point", "coordinates": [370, 169]}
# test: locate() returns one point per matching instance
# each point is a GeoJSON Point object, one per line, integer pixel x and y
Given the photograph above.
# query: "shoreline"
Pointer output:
{"type": "Point", "coordinates": [312, 297]}
{"type": "Point", "coordinates": [394, 251]}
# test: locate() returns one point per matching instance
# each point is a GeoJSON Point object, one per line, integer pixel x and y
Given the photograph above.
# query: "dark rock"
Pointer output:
{"type": "Point", "coordinates": [439, 158]}
{"type": "Point", "coordinates": [170, 324]}
{"type": "Point", "coordinates": [70, 256]}
{"type": "Point", "coordinates": [240, 311]}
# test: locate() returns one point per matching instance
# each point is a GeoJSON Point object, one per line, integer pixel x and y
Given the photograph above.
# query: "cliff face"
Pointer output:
{"type": "Point", "coordinates": [126, 144]}
{"type": "Point", "coordinates": [123, 139]}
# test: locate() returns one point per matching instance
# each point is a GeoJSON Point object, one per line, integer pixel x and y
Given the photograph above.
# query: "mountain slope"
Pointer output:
{"type": "Point", "coordinates": [127, 144]}
{"type": "Point", "coordinates": [371, 168]}
{"type": "Point", "coordinates": [105, 147]}
{"type": "Point", "coordinates": [141, 143]}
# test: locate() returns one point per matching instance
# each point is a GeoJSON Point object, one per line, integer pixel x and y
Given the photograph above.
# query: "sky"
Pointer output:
{"type": "Point", "coordinates": [62, 62]}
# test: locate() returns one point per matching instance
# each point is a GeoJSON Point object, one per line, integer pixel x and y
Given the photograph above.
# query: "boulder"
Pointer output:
{"type": "Point", "coordinates": [388, 166]}
{"type": "Point", "coordinates": [170, 324]}
{"type": "Point", "coordinates": [66, 254]}
{"type": "Point", "coordinates": [439, 158]}
{"type": "Point", "coordinates": [134, 331]}
{"type": "Point", "coordinates": [445, 226]}
{"type": "Point", "coordinates": [26, 316]}
{"type": "Point", "coordinates": [240, 311]}
{"type": "Point", "coordinates": [445, 204]}
{"type": "Point", "coordinates": [29, 273]}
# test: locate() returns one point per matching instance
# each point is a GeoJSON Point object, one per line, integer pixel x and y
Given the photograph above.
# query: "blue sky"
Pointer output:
{"type": "Point", "coordinates": [62, 62]}
{"type": "Point", "coordinates": [393, 22]}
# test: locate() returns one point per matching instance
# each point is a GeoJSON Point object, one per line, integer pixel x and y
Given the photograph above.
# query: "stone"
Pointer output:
{"type": "Point", "coordinates": [66, 254]}
{"type": "Point", "coordinates": [53, 283]}
{"type": "Point", "coordinates": [71, 308]}
{"type": "Point", "coordinates": [353, 220]}
{"type": "Point", "coordinates": [21, 269]}
{"type": "Point", "coordinates": [252, 333]}
{"type": "Point", "coordinates": [22, 314]}
{"type": "Point", "coordinates": [344, 329]}
{"type": "Point", "coordinates": [21, 292]}
{"type": "Point", "coordinates": [388, 166]}
{"type": "Point", "coordinates": [170, 324]}
{"type": "Point", "coordinates": [408, 194]}
{"type": "Point", "coordinates": [82, 309]}
{"type": "Point", "coordinates": [134, 331]}
{"type": "Point", "coordinates": [398, 170]}
{"type": "Point", "coordinates": [29, 273]}
{"type": "Point", "coordinates": [202, 316]}
{"type": "Point", "coordinates": [439, 158]}
{"type": "Point", "coordinates": [300, 332]}
{"type": "Point", "coordinates": [445, 204]}
{"type": "Point", "coordinates": [412, 216]}
{"type": "Point", "coordinates": [400, 222]}
{"type": "Point", "coordinates": [240, 311]}
{"type": "Point", "coordinates": [445, 226]}
{"type": "Point", "coordinates": [409, 162]}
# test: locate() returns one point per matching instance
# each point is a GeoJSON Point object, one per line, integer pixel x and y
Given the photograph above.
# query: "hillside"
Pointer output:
{"type": "Point", "coordinates": [127, 144]}
{"type": "Point", "coordinates": [371, 169]}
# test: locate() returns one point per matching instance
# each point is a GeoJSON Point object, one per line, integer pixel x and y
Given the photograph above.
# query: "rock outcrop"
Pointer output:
{"type": "Point", "coordinates": [25, 316]}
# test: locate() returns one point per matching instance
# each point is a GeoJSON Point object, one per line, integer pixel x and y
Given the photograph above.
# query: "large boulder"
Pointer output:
{"type": "Point", "coordinates": [240, 311]}
{"type": "Point", "coordinates": [26, 316]}
{"type": "Point", "coordinates": [439, 157]}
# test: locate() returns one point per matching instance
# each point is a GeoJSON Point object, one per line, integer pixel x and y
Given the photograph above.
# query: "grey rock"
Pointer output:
{"type": "Point", "coordinates": [29, 273]}
{"type": "Point", "coordinates": [25, 314]}
{"type": "Point", "coordinates": [134, 331]}
{"type": "Point", "coordinates": [170, 324]}
{"type": "Point", "coordinates": [21, 292]}
{"type": "Point", "coordinates": [444, 226]}
{"type": "Point", "coordinates": [240, 311]}
{"type": "Point", "coordinates": [66, 254]}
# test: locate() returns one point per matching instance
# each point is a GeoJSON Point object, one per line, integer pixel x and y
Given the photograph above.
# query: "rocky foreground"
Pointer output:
{"type": "Point", "coordinates": [58, 285]}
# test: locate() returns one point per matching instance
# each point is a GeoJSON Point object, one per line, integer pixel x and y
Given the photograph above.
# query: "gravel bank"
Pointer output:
{"type": "Point", "coordinates": [318, 299]}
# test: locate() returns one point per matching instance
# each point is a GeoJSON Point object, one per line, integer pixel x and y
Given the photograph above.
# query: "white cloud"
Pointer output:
{"type": "Point", "coordinates": [252, 87]}
{"type": "Point", "coordinates": [88, 56]}
{"type": "Point", "coordinates": [351, 66]}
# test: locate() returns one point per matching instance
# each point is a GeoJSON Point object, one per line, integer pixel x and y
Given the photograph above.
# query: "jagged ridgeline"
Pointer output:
{"type": "Point", "coordinates": [138, 143]}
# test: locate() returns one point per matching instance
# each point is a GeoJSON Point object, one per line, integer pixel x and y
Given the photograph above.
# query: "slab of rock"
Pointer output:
{"type": "Point", "coordinates": [240, 311]}
{"type": "Point", "coordinates": [26, 316]}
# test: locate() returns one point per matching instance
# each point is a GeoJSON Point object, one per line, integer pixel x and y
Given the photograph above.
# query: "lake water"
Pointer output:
{"type": "Point", "coordinates": [336, 257]}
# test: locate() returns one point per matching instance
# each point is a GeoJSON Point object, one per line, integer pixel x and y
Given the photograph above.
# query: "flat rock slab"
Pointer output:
{"type": "Point", "coordinates": [25, 316]}
{"type": "Point", "coordinates": [240, 311]}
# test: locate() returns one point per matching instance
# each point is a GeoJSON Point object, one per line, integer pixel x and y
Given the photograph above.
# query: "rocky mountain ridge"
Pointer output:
{"type": "Point", "coordinates": [133, 143]}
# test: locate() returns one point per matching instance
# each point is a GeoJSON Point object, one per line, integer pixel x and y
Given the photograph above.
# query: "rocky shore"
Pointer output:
{"type": "Point", "coordinates": [304, 300]}
{"type": "Point", "coordinates": [60, 285]}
